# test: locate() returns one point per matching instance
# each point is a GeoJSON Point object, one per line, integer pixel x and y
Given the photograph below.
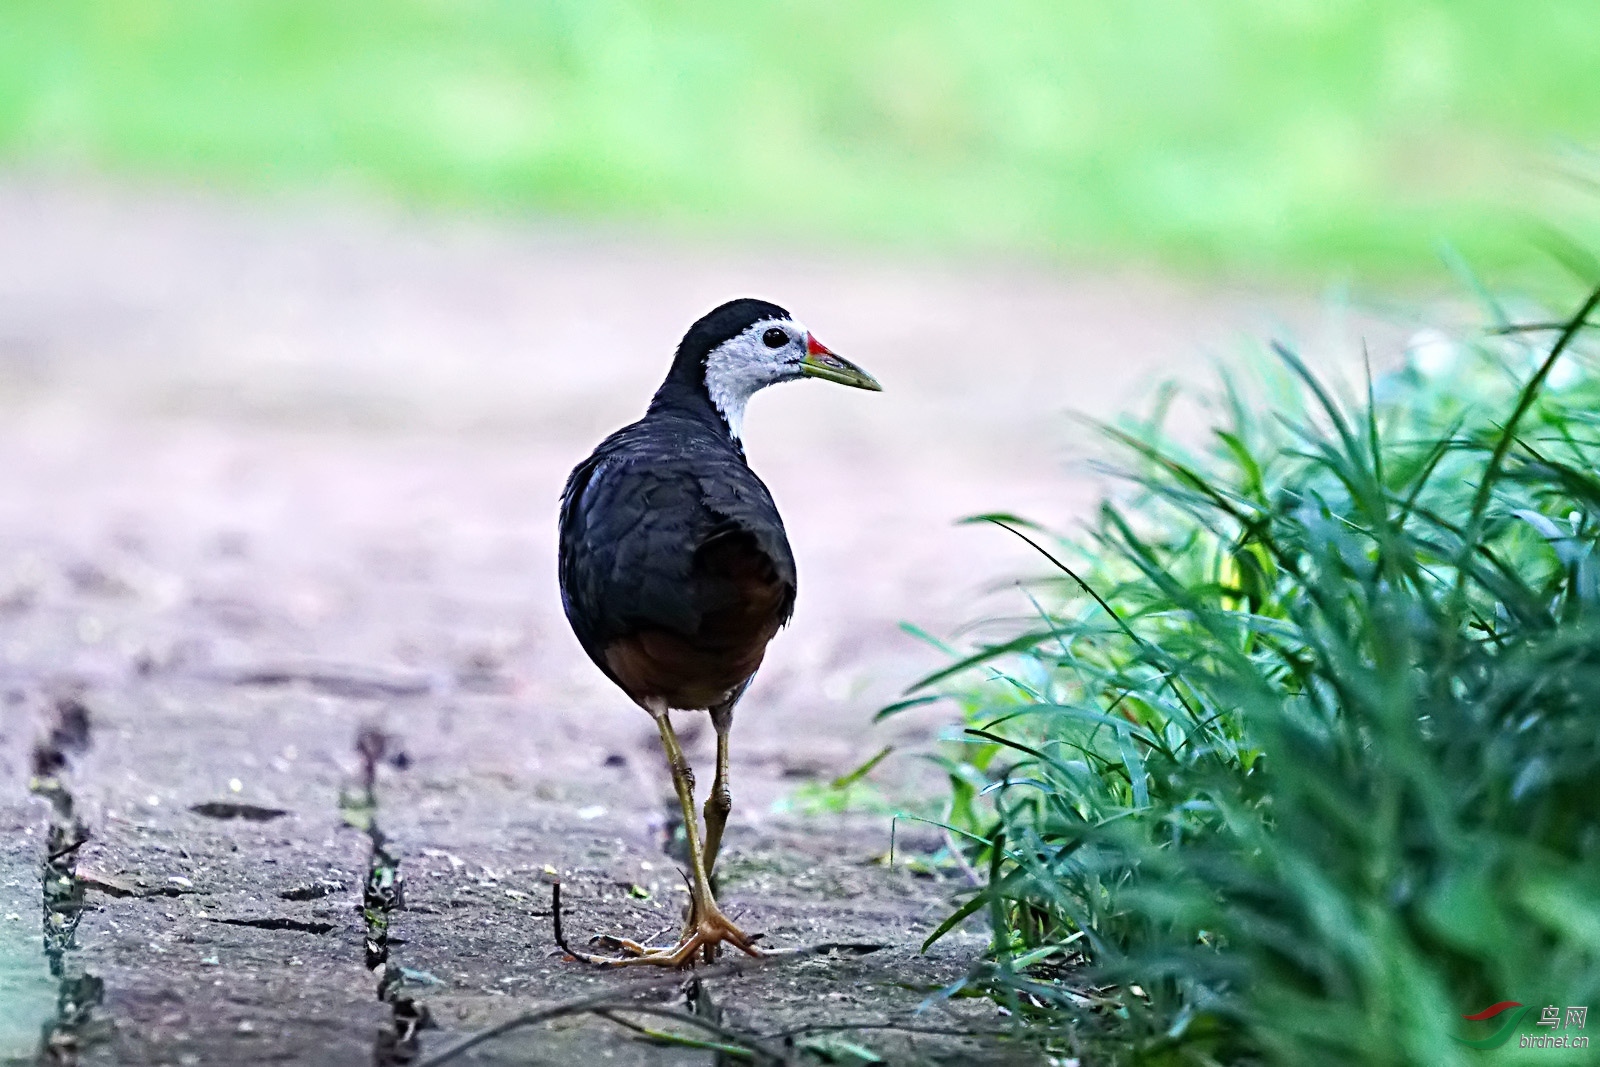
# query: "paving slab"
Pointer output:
{"type": "Point", "coordinates": [275, 475]}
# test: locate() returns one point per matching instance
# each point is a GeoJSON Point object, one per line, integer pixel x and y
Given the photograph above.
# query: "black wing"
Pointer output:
{"type": "Point", "coordinates": [638, 516]}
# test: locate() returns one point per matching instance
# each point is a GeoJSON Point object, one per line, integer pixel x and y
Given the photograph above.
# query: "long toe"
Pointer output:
{"type": "Point", "coordinates": [627, 946]}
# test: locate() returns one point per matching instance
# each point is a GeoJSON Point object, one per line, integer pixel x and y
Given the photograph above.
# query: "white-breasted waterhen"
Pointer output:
{"type": "Point", "coordinates": [675, 569]}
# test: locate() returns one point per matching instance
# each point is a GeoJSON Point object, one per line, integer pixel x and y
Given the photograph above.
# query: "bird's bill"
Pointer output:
{"type": "Point", "coordinates": [821, 363]}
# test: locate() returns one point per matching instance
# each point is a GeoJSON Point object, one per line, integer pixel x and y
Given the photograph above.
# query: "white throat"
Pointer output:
{"type": "Point", "coordinates": [730, 392]}
{"type": "Point", "coordinates": [737, 369]}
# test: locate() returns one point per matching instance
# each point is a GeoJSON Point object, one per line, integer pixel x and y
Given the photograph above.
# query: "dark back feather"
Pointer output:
{"type": "Point", "coordinates": [675, 570]}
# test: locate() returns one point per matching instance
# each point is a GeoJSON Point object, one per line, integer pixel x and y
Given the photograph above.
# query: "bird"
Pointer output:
{"type": "Point", "coordinates": [675, 568]}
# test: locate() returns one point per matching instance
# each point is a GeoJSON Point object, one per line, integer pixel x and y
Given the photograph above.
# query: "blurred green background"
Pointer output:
{"type": "Point", "coordinates": [1238, 136]}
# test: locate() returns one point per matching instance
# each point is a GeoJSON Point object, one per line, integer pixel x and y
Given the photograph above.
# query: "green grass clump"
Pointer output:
{"type": "Point", "coordinates": [1298, 760]}
{"type": "Point", "coordinates": [1237, 135]}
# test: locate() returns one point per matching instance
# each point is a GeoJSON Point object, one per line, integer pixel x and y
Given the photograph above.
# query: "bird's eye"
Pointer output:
{"type": "Point", "coordinates": [775, 338]}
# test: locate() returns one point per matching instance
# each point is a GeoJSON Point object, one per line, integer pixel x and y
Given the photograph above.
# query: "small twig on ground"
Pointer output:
{"type": "Point", "coordinates": [732, 1043]}
{"type": "Point", "coordinates": [561, 938]}
{"type": "Point", "coordinates": [603, 1005]}
{"type": "Point", "coordinates": [604, 1001]}
{"type": "Point", "coordinates": [886, 1024]}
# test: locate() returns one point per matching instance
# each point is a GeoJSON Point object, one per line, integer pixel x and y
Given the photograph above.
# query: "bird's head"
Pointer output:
{"type": "Point", "coordinates": [746, 345]}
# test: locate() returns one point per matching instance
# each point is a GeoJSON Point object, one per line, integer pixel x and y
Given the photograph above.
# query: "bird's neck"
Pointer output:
{"type": "Point", "coordinates": [680, 399]}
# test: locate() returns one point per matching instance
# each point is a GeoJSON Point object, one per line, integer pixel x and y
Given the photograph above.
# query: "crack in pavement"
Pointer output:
{"type": "Point", "coordinates": [277, 923]}
{"type": "Point", "coordinates": [383, 893]}
{"type": "Point", "coordinates": [224, 809]}
{"type": "Point", "coordinates": [61, 889]}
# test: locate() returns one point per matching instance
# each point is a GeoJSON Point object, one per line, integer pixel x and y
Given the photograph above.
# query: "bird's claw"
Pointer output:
{"type": "Point", "coordinates": [626, 946]}
{"type": "Point", "coordinates": [708, 934]}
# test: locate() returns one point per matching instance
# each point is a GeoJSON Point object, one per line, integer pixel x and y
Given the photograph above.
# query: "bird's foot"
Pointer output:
{"type": "Point", "coordinates": [711, 930]}
{"type": "Point", "coordinates": [625, 946]}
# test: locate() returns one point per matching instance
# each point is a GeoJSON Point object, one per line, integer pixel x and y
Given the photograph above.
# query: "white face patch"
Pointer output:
{"type": "Point", "coordinates": [737, 369]}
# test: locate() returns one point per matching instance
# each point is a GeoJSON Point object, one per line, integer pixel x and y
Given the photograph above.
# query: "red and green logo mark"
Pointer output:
{"type": "Point", "coordinates": [1509, 1015]}
{"type": "Point", "coordinates": [1512, 1012]}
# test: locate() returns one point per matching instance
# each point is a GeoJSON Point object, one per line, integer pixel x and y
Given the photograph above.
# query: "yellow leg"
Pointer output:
{"type": "Point", "coordinates": [683, 782]}
{"type": "Point", "coordinates": [708, 927]}
{"type": "Point", "coordinates": [719, 802]}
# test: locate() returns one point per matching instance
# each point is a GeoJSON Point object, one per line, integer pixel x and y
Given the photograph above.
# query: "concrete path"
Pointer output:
{"type": "Point", "coordinates": [274, 475]}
